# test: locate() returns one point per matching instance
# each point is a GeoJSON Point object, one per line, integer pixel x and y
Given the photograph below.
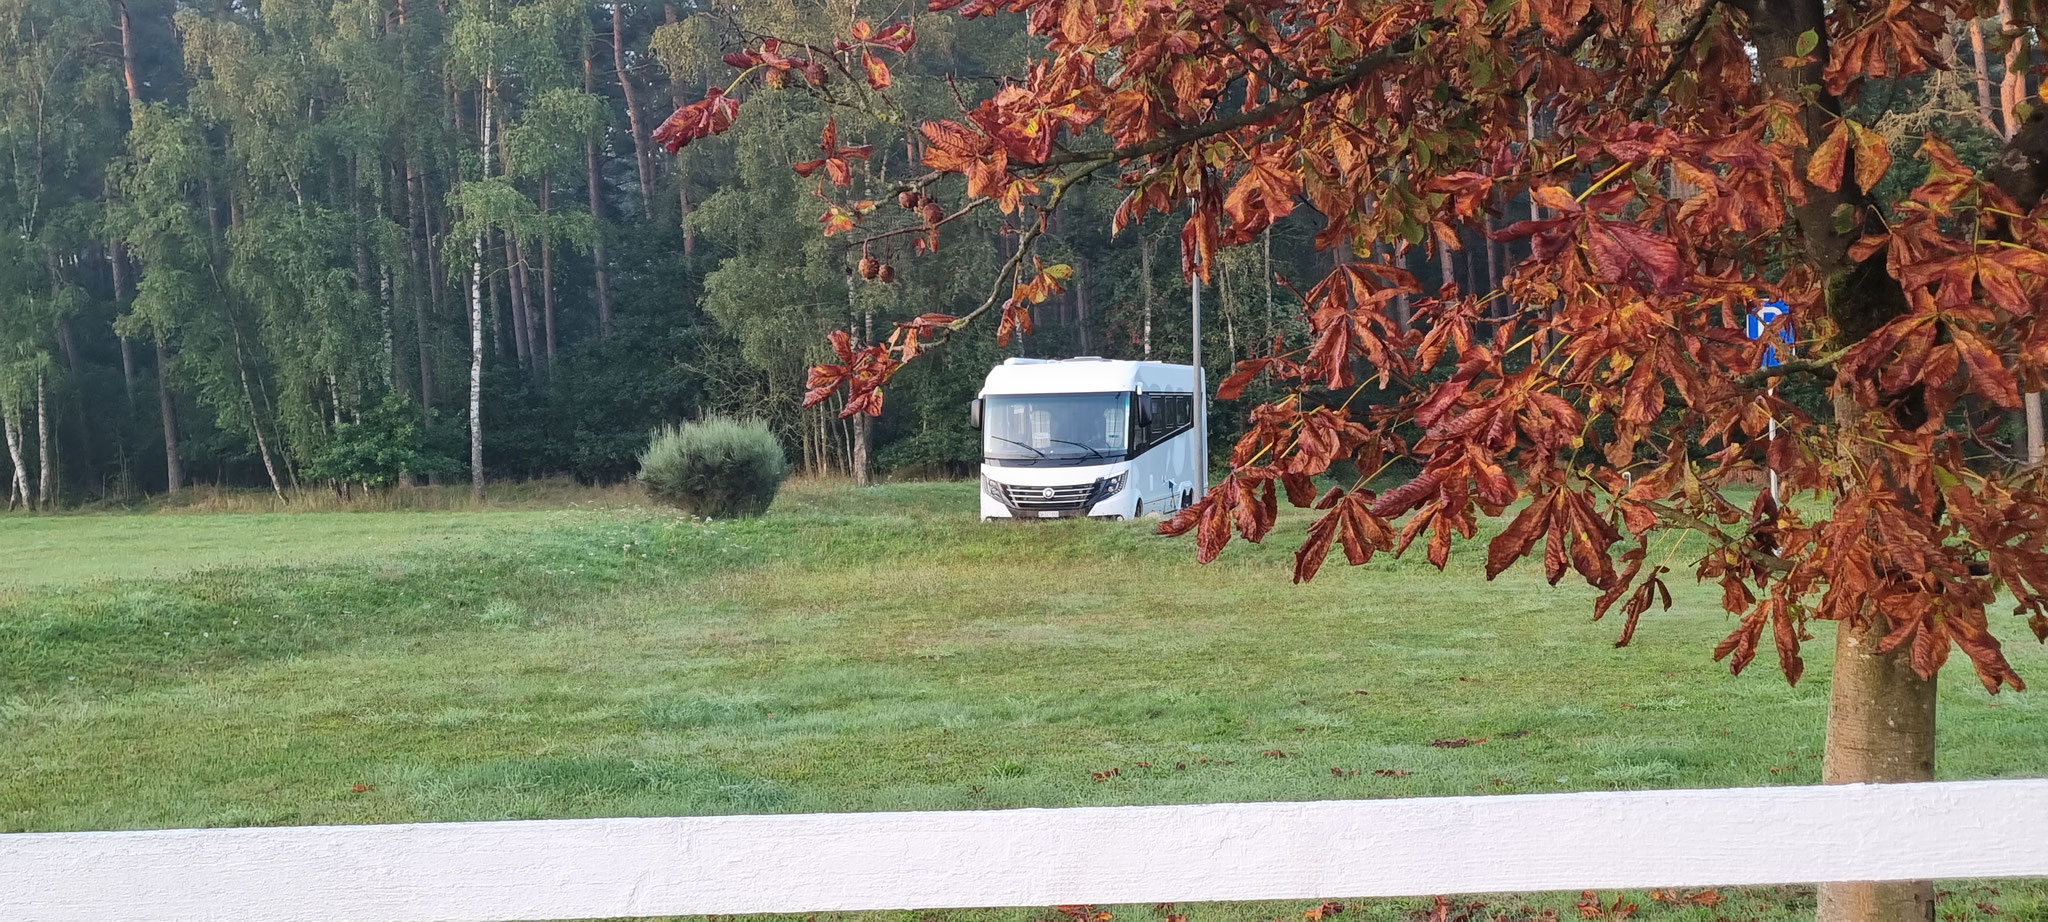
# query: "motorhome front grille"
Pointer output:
{"type": "Point", "coordinates": [1050, 499]}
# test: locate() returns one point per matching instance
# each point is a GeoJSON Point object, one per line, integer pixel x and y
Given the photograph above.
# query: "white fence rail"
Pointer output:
{"type": "Point", "coordinates": [577, 869]}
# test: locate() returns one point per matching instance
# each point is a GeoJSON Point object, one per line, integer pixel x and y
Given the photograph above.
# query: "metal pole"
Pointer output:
{"type": "Point", "coordinates": [1773, 437]}
{"type": "Point", "coordinates": [1201, 396]}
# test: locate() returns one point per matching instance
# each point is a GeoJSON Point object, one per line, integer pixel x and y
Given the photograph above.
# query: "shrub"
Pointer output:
{"type": "Point", "coordinates": [720, 468]}
{"type": "Point", "coordinates": [387, 443]}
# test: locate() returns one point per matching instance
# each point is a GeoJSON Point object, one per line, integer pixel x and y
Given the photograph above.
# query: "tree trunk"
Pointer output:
{"type": "Point", "coordinates": [476, 330]}
{"type": "Point", "coordinates": [1881, 715]}
{"type": "Point", "coordinates": [117, 263]}
{"type": "Point", "coordinates": [422, 261]}
{"type": "Point", "coordinates": [46, 459]}
{"type": "Point", "coordinates": [1145, 293]}
{"type": "Point", "coordinates": [641, 158]}
{"type": "Point", "coordinates": [1266, 239]}
{"type": "Point", "coordinates": [1880, 729]}
{"type": "Point", "coordinates": [529, 315]}
{"type": "Point", "coordinates": [476, 371]}
{"type": "Point", "coordinates": [174, 466]}
{"type": "Point", "coordinates": [675, 96]}
{"type": "Point", "coordinates": [547, 276]}
{"type": "Point", "coordinates": [592, 180]}
{"type": "Point", "coordinates": [128, 373]}
{"type": "Point", "coordinates": [128, 72]}
{"type": "Point", "coordinates": [1081, 301]}
{"type": "Point", "coordinates": [2011, 91]}
{"type": "Point", "coordinates": [249, 400]}
{"type": "Point", "coordinates": [1982, 62]}
{"type": "Point", "coordinates": [18, 482]}
{"type": "Point", "coordinates": [2031, 408]}
{"type": "Point", "coordinates": [522, 334]}
{"type": "Point", "coordinates": [803, 440]}
{"type": "Point", "coordinates": [499, 321]}
{"type": "Point", "coordinates": [862, 423]}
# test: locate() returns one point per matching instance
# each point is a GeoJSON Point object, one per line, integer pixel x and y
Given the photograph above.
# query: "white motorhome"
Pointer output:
{"type": "Point", "coordinates": [1087, 437]}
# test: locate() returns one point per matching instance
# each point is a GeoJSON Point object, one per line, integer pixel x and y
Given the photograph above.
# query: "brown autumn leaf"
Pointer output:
{"type": "Point", "coordinates": [1824, 166]}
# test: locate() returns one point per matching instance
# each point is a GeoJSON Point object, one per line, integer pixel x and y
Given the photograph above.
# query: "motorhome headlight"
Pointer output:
{"type": "Point", "coordinates": [1111, 486]}
{"type": "Point", "coordinates": [992, 488]}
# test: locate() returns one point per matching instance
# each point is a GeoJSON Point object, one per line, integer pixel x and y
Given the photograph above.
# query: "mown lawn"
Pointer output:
{"type": "Point", "coordinates": [873, 650]}
{"type": "Point", "coordinates": [65, 552]}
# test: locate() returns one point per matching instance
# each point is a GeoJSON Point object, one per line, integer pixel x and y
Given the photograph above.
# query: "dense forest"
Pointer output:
{"type": "Point", "coordinates": [298, 244]}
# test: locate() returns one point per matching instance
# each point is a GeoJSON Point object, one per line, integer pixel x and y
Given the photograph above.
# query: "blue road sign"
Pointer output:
{"type": "Point", "coordinates": [1763, 317]}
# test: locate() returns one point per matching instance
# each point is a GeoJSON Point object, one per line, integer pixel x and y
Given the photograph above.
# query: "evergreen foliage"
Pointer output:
{"type": "Point", "coordinates": [235, 229]}
{"type": "Point", "coordinates": [388, 444]}
{"type": "Point", "coordinates": [719, 468]}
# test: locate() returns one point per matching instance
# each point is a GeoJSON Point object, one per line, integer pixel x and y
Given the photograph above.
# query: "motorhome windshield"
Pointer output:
{"type": "Point", "coordinates": [1056, 428]}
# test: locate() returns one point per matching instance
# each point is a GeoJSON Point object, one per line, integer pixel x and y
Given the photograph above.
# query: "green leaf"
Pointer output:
{"type": "Point", "coordinates": [1808, 41]}
{"type": "Point", "coordinates": [1845, 218]}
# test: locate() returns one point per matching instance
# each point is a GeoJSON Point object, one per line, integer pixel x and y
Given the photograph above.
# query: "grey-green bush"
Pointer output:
{"type": "Point", "coordinates": [721, 468]}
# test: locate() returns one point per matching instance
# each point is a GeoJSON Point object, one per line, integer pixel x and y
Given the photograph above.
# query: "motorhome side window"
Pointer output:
{"type": "Point", "coordinates": [1172, 414]}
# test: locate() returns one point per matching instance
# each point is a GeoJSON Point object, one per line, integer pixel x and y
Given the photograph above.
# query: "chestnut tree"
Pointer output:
{"type": "Point", "coordinates": [1683, 162]}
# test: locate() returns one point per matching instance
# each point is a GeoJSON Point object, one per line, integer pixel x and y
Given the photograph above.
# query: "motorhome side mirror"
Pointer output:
{"type": "Point", "coordinates": [1145, 411]}
{"type": "Point", "coordinates": [974, 412]}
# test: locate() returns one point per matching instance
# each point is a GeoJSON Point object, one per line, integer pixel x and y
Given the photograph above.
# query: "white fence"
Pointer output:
{"type": "Point", "coordinates": [577, 869]}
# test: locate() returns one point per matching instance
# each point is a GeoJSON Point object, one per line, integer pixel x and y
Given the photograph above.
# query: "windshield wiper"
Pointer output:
{"type": "Point", "coordinates": [1024, 445]}
{"type": "Point", "coordinates": [1088, 448]}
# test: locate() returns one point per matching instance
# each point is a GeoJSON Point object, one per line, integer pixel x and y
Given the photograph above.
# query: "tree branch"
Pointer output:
{"type": "Point", "coordinates": [1679, 54]}
{"type": "Point", "coordinates": [1315, 89]}
{"type": "Point", "coordinates": [1016, 260]}
{"type": "Point", "coordinates": [1822, 367]}
{"type": "Point", "coordinates": [1769, 562]}
{"type": "Point", "coordinates": [971, 205]}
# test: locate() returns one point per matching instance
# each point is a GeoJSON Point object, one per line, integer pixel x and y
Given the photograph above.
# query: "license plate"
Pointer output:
{"type": "Point", "coordinates": [1048, 515]}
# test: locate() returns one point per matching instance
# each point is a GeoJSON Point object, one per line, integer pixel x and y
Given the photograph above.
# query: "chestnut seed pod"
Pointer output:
{"type": "Point", "coordinates": [887, 273]}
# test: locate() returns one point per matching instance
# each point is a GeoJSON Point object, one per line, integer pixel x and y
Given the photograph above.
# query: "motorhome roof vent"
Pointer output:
{"type": "Point", "coordinates": [1019, 360]}
{"type": "Point", "coordinates": [1087, 358]}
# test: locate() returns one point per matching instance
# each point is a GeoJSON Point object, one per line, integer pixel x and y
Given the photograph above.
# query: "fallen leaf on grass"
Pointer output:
{"type": "Point", "coordinates": [1590, 908]}
{"type": "Point", "coordinates": [1324, 911]}
{"type": "Point", "coordinates": [359, 788]}
{"type": "Point", "coordinates": [1682, 898]}
{"type": "Point", "coordinates": [1459, 743]}
{"type": "Point", "coordinates": [1392, 772]}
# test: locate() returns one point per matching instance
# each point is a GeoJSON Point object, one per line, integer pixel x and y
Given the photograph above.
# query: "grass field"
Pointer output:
{"type": "Point", "coordinates": [871, 650]}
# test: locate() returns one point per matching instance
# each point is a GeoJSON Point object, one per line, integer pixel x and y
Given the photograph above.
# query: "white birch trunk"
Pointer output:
{"type": "Point", "coordinates": [46, 459]}
{"type": "Point", "coordinates": [18, 485]}
{"type": "Point", "coordinates": [476, 325]}
{"type": "Point", "coordinates": [1145, 293]}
